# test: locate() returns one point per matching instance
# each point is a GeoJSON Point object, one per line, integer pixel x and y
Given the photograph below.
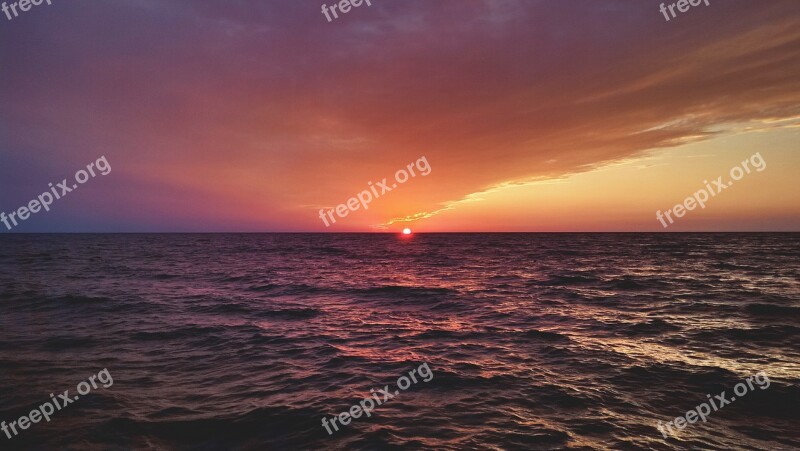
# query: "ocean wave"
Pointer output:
{"type": "Point", "coordinates": [456, 381]}
{"type": "Point", "coordinates": [290, 313]}
{"type": "Point", "coordinates": [568, 280]}
{"type": "Point", "coordinates": [758, 335]}
{"type": "Point", "coordinates": [653, 326]}
{"type": "Point", "coordinates": [285, 289]}
{"type": "Point", "coordinates": [252, 345]}
{"type": "Point", "coordinates": [772, 310]}
{"type": "Point", "coordinates": [545, 335]}
{"type": "Point", "coordinates": [407, 291]}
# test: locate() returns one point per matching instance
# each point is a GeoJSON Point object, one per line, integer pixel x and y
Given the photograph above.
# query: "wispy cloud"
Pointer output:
{"type": "Point", "coordinates": [263, 103]}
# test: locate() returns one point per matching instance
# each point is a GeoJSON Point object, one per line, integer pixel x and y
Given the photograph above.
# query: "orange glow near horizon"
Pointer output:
{"type": "Point", "coordinates": [525, 125]}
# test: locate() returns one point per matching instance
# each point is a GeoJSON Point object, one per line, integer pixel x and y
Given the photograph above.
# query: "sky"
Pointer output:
{"type": "Point", "coordinates": [252, 116]}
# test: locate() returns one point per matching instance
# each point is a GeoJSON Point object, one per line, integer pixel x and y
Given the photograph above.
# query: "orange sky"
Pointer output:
{"type": "Point", "coordinates": [534, 116]}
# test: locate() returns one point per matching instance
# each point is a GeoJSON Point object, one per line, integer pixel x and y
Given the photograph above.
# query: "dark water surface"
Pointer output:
{"type": "Point", "coordinates": [536, 341]}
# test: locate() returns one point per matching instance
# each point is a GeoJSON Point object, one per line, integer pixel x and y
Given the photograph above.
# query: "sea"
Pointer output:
{"type": "Point", "coordinates": [535, 341]}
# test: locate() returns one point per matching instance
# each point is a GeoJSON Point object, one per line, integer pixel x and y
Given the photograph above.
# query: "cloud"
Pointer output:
{"type": "Point", "coordinates": [267, 104]}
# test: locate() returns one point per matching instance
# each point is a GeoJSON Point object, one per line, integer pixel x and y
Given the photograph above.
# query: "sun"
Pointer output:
{"type": "Point", "coordinates": [406, 231]}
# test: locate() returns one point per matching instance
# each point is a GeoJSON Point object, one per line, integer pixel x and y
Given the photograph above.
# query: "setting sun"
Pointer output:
{"type": "Point", "coordinates": [406, 231]}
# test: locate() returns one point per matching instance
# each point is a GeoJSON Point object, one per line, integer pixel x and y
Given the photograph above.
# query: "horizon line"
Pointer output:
{"type": "Point", "coordinates": [395, 233]}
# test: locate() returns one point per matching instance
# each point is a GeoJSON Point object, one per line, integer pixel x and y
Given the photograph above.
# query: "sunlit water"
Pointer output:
{"type": "Point", "coordinates": [536, 341]}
